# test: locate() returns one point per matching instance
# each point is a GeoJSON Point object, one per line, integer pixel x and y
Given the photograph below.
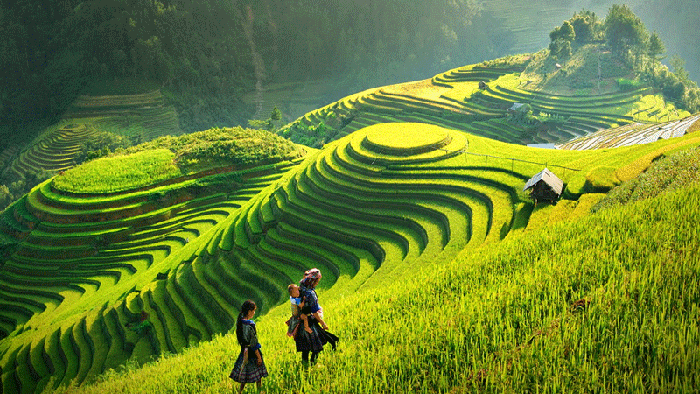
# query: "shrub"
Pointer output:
{"type": "Point", "coordinates": [5, 196]}
{"type": "Point", "coordinates": [101, 145]}
{"type": "Point", "coordinates": [626, 84]}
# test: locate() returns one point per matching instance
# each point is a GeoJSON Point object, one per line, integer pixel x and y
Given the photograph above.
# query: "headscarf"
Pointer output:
{"type": "Point", "coordinates": [311, 278]}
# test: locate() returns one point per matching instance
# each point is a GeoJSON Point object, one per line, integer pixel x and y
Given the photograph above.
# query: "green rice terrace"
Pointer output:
{"type": "Point", "coordinates": [483, 99]}
{"type": "Point", "coordinates": [182, 245]}
{"type": "Point", "coordinates": [78, 245]}
{"type": "Point", "coordinates": [143, 116]}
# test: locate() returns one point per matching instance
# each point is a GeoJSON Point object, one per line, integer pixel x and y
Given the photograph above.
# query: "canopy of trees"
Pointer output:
{"type": "Point", "coordinates": [207, 52]}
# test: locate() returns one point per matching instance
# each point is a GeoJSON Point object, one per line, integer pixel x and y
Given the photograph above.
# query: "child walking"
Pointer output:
{"type": "Point", "coordinates": [249, 366]}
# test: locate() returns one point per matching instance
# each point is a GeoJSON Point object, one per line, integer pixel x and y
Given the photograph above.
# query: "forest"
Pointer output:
{"type": "Point", "coordinates": [206, 55]}
{"type": "Point", "coordinates": [203, 52]}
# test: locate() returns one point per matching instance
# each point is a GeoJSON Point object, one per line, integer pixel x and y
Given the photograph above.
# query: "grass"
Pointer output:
{"type": "Point", "coordinates": [673, 172]}
{"type": "Point", "coordinates": [569, 307]}
{"type": "Point", "coordinates": [118, 174]}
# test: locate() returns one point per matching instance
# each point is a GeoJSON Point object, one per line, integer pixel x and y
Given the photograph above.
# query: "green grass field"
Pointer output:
{"type": "Point", "coordinates": [376, 211]}
{"type": "Point", "coordinates": [601, 302]}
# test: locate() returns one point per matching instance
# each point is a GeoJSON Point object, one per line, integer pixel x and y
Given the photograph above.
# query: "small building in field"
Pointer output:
{"type": "Point", "coordinates": [545, 186]}
{"type": "Point", "coordinates": [482, 85]}
{"type": "Point", "coordinates": [515, 108]}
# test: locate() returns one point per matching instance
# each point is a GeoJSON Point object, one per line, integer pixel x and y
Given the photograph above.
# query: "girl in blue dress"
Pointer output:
{"type": "Point", "coordinates": [249, 367]}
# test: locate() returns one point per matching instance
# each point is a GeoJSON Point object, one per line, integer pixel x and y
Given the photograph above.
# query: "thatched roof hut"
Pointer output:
{"type": "Point", "coordinates": [545, 186]}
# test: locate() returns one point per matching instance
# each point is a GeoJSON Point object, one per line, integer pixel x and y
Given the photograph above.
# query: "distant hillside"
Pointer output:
{"type": "Point", "coordinates": [480, 99]}
{"type": "Point", "coordinates": [93, 126]}
{"type": "Point", "coordinates": [595, 74]}
{"type": "Point", "coordinates": [211, 56]}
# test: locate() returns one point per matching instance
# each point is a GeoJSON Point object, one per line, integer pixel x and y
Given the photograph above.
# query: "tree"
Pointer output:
{"type": "Point", "coordinates": [561, 38]}
{"type": "Point", "coordinates": [276, 114]}
{"type": "Point", "coordinates": [564, 32]}
{"type": "Point", "coordinates": [624, 30]}
{"type": "Point", "coordinates": [678, 65]}
{"type": "Point", "coordinates": [269, 123]}
{"type": "Point", "coordinates": [560, 48]}
{"type": "Point", "coordinates": [586, 25]}
{"type": "Point", "coordinates": [656, 47]}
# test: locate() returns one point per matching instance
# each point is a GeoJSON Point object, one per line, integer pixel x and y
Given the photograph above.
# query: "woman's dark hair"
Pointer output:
{"type": "Point", "coordinates": [248, 305]}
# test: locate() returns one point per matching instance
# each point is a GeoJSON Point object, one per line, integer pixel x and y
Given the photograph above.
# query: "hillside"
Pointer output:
{"type": "Point", "coordinates": [439, 271]}
{"type": "Point", "coordinates": [368, 209]}
{"type": "Point", "coordinates": [94, 125]}
{"type": "Point", "coordinates": [552, 305]}
{"type": "Point", "coordinates": [77, 246]}
{"type": "Point", "coordinates": [561, 102]}
{"type": "Point", "coordinates": [595, 303]}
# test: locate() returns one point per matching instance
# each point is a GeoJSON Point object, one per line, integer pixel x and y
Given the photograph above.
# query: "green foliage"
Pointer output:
{"type": "Point", "coordinates": [656, 46]}
{"type": "Point", "coordinates": [102, 144]}
{"type": "Point", "coordinates": [685, 94]}
{"type": "Point", "coordinates": [560, 49]}
{"type": "Point", "coordinates": [586, 26]}
{"type": "Point", "coordinates": [679, 70]}
{"type": "Point", "coordinates": [269, 123]}
{"type": "Point", "coordinates": [565, 32]}
{"type": "Point", "coordinates": [583, 28]}
{"type": "Point", "coordinates": [561, 38]}
{"type": "Point", "coordinates": [5, 196]}
{"type": "Point", "coordinates": [624, 30]}
{"type": "Point", "coordinates": [626, 84]}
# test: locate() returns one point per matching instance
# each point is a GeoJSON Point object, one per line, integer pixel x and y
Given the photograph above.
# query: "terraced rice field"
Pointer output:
{"type": "Point", "coordinates": [386, 197]}
{"type": "Point", "coordinates": [635, 133]}
{"type": "Point", "coordinates": [8, 152]}
{"type": "Point", "coordinates": [476, 99]}
{"type": "Point", "coordinates": [94, 280]}
{"type": "Point", "coordinates": [145, 116]}
{"type": "Point", "coordinates": [53, 150]}
{"type": "Point", "coordinates": [71, 286]}
{"type": "Point", "coordinates": [146, 112]}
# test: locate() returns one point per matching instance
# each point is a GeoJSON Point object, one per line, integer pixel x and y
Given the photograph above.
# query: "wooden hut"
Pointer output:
{"type": "Point", "coordinates": [545, 186]}
{"type": "Point", "coordinates": [516, 107]}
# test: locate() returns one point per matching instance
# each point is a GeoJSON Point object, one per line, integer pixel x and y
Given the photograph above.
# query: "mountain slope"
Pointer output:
{"type": "Point", "coordinates": [596, 303]}
{"type": "Point", "coordinates": [480, 99]}
{"type": "Point", "coordinates": [369, 209]}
